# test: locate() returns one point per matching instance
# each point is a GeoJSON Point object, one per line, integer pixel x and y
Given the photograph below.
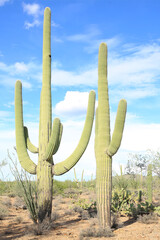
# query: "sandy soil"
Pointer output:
{"type": "Point", "coordinates": [18, 225]}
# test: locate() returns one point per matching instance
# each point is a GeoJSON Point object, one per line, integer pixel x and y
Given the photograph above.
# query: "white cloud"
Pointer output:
{"type": "Point", "coordinates": [2, 2]}
{"type": "Point", "coordinates": [35, 11]}
{"type": "Point", "coordinates": [21, 67]}
{"type": "Point", "coordinates": [53, 24]}
{"type": "Point", "coordinates": [141, 136]}
{"type": "Point", "coordinates": [138, 67]}
{"type": "Point", "coordinates": [66, 78]}
{"type": "Point", "coordinates": [19, 70]}
{"type": "Point", "coordinates": [35, 23]}
{"type": "Point", "coordinates": [136, 137]}
{"type": "Point", "coordinates": [4, 114]}
{"type": "Point", "coordinates": [91, 32]}
{"type": "Point", "coordinates": [74, 103]}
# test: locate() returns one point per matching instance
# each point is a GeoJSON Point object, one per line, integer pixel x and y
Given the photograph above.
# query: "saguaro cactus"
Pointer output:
{"type": "Point", "coordinates": [105, 147]}
{"type": "Point", "coordinates": [49, 137]}
{"type": "Point", "coordinates": [149, 183]}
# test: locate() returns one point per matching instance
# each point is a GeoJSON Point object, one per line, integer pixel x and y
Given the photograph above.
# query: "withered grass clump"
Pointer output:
{"type": "Point", "coordinates": [97, 233]}
{"type": "Point", "coordinates": [7, 202]}
{"type": "Point", "coordinates": [3, 211]}
{"type": "Point", "coordinates": [40, 228]}
{"type": "Point", "coordinates": [55, 216]}
{"type": "Point", "coordinates": [148, 218]}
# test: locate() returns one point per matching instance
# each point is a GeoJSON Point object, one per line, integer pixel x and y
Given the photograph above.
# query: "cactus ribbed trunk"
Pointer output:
{"type": "Point", "coordinates": [104, 189]}
{"type": "Point", "coordinates": [104, 162]}
{"type": "Point", "coordinates": [149, 183]}
{"type": "Point", "coordinates": [44, 168]}
{"type": "Point", "coordinates": [105, 147]}
{"type": "Point", "coordinates": [49, 136]}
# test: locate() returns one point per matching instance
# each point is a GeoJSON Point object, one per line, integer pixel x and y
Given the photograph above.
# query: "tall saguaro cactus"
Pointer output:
{"type": "Point", "coordinates": [105, 147]}
{"type": "Point", "coordinates": [149, 183]}
{"type": "Point", "coordinates": [49, 136]}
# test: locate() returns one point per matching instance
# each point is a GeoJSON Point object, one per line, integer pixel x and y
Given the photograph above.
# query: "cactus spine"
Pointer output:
{"type": "Point", "coordinates": [105, 147]}
{"type": "Point", "coordinates": [49, 137]}
{"type": "Point", "coordinates": [149, 183]}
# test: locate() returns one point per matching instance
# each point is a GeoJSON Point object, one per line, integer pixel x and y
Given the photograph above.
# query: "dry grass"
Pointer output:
{"type": "Point", "coordinates": [97, 233]}
{"type": "Point", "coordinates": [148, 218]}
{"type": "Point", "coordinates": [3, 212]}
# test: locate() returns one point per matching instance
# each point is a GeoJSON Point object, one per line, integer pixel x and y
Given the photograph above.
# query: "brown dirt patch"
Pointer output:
{"type": "Point", "coordinates": [18, 225]}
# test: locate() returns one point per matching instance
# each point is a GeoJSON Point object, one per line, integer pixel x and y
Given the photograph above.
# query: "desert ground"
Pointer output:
{"type": "Point", "coordinates": [69, 223]}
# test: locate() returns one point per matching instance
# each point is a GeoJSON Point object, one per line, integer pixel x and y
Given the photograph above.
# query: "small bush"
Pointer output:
{"type": "Point", "coordinates": [148, 219]}
{"type": "Point", "coordinates": [3, 212]}
{"type": "Point", "coordinates": [97, 233]}
{"type": "Point", "coordinates": [68, 212]}
{"type": "Point", "coordinates": [19, 219]}
{"type": "Point", "coordinates": [78, 209]}
{"type": "Point", "coordinates": [157, 210]}
{"type": "Point", "coordinates": [7, 202]}
{"type": "Point", "coordinates": [114, 220]}
{"type": "Point", "coordinates": [85, 215]}
{"type": "Point", "coordinates": [54, 216]}
{"type": "Point", "coordinates": [40, 228]}
{"type": "Point", "coordinates": [19, 203]}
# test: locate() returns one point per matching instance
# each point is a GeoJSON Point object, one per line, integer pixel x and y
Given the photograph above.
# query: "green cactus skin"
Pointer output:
{"type": "Point", "coordinates": [105, 147]}
{"type": "Point", "coordinates": [49, 137]}
{"type": "Point", "coordinates": [76, 180]}
{"type": "Point", "coordinates": [140, 196]}
{"type": "Point", "coordinates": [149, 183]}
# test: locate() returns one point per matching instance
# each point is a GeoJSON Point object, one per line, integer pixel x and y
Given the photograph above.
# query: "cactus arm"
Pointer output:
{"type": "Point", "coordinates": [66, 165]}
{"type": "Point", "coordinates": [118, 128]}
{"type": "Point", "coordinates": [53, 139]}
{"type": "Point", "coordinates": [75, 178]}
{"type": "Point", "coordinates": [96, 132]}
{"type": "Point", "coordinates": [29, 145]}
{"type": "Point", "coordinates": [59, 139]}
{"type": "Point", "coordinates": [103, 101]}
{"type": "Point", "coordinates": [23, 156]}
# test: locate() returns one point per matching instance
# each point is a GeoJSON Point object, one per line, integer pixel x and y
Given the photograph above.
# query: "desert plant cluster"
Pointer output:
{"type": "Point", "coordinates": [99, 207]}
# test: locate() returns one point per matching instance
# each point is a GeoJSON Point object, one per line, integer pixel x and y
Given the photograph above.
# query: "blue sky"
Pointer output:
{"type": "Point", "coordinates": [131, 31]}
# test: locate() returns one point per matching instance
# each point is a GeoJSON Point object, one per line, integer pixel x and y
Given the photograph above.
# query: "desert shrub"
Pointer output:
{"type": "Point", "coordinates": [28, 188]}
{"type": "Point", "coordinates": [6, 201]}
{"type": "Point", "coordinates": [19, 203]}
{"type": "Point", "coordinates": [72, 193]}
{"type": "Point", "coordinates": [114, 220]}
{"type": "Point", "coordinates": [19, 219]}
{"type": "Point", "coordinates": [148, 218]}
{"type": "Point", "coordinates": [77, 209]}
{"type": "Point", "coordinates": [3, 211]}
{"type": "Point", "coordinates": [157, 210]}
{"type": "Point", "coordinates": [89, 206]}
{"type": "Point", "coordinates": [7, 188]}
{"type": "Point", "coordinates": [85, 215]}
{"type": "Point", "coordinates": [55, 216]}
{"type": "Point", "coordinates": [97, 233]}
{"type": "Point", "coordinates": [40, 228]}
{"type": "Point", "coordinates": [68, 212]}
{"type": "Point", "coordinates": [121, 200]}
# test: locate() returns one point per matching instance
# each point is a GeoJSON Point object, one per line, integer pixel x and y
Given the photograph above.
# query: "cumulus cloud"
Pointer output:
{"type": "Point", "coordinates": [19, 70]}
{"type": "Point", "coordinates": [91, 32]}
{"type": "Point", "coordinates": [66, 78]}
{"type": "Point", "coordinates": [35, 23]}
{"type": "Point", "coordinates": [2, 2]}
{"type": "Point", "coordinates": [35, 11]}
{"type": "Point", "coordinates": [141, 136]}
{"type": "Point", "coordinates": [133, 72]}
{"type": "Point", "coordinates": [21, 67]}
{"type": "Point", "coordinates": [74, 103]}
